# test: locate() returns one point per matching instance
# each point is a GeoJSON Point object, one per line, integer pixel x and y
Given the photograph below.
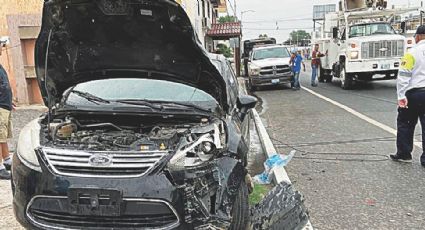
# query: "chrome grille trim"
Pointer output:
{"type": "Point", "coordinates": [382, 49]}
{"type": "Point", "coordinates": [125, 164]}
{"type": "Point", "coordinates": [273, 70]}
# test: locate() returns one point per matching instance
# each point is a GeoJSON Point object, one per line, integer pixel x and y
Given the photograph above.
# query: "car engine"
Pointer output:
{"type": "Point", "coordinates": [105, 136]}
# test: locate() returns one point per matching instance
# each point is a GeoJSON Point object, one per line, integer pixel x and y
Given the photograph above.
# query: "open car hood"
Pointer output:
{"type": "Point", "coordinates": [87, 40]}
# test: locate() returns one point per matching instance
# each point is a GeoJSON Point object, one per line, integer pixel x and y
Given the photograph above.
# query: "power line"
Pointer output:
{"type": "Point", "coordinates": [361, 156]}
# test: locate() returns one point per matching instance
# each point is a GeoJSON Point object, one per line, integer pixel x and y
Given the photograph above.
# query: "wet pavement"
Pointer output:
{"type": "Point", "coordinates": [341, 166]}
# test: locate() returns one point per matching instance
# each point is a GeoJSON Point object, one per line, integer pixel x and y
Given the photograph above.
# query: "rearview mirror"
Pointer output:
{"type": "Point", "coordinates": [244, 104]}
{"type": "Point", "coordinates": [335, 32]}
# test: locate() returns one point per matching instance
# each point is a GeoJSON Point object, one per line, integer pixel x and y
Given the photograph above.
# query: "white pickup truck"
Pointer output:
{"type": "Point", "coordinates": [361, 45]}
{"type": "Point", "coordinates": [269, 65]}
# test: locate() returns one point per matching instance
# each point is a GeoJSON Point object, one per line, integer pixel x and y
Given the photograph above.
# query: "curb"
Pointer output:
{"type": "Point", "coordinates": [279, 173]}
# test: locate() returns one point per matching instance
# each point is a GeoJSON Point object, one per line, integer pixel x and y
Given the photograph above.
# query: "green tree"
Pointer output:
{"type": "Point", "coordinates": [225, 50]}
{"type": "Point", "coordinates": [227, 18]}
{"type": "Point", "coordinates": [297, 36]}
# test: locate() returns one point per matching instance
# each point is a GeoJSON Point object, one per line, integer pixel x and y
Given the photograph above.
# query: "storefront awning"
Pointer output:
{"type": "Point", "coordinates": [224, 31]}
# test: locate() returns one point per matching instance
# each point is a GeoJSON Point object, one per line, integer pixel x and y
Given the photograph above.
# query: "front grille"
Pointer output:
{"type": "Point", "coordinates": [53, 213]}
{"type": "Point", "coordinates": [382, 49]}
{"type": "Point", "coordinates": [124, 163]}
{"type": "Point", "coordinates": [273, 70]}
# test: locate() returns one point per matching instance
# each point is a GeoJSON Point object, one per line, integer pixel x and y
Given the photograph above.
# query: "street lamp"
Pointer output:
{"type": "Point", "coordinates": [242, 13]}
{"type": "Point", "coordinates": [246, 11]}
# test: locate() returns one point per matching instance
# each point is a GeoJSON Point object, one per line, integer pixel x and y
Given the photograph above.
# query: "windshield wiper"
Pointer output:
{"type": "Point", "coordinates": [142, 103]}
{"type": "Point", "coordinates": [187, 105]}
{"type": "Point", "coordinates": [90, 97]}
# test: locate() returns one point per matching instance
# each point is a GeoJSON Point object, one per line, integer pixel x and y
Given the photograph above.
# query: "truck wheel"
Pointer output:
{"type": "Point", "coordinates": [240, 212]}
{"type": "Point", "coordinates": [346, 79]}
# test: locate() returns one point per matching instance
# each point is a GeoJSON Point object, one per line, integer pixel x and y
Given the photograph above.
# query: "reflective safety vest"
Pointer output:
{"type": "Point", "coordinates": [411, 73]}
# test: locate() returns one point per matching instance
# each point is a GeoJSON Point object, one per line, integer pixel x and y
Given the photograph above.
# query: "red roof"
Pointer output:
{"type": "Point", "coordinates": [228, 29]}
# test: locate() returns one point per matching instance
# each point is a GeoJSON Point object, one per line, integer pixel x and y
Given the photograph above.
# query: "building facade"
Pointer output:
{"type": "Point", "coordinates": [20, 23]}
{"type": "Point", "coordinates": [203, 14]}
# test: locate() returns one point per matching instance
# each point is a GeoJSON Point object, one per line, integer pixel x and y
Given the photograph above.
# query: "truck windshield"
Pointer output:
{"type": "Point", "coordinates": [276, 52]}
{"type": "Point", "coordinates": [370, 29]}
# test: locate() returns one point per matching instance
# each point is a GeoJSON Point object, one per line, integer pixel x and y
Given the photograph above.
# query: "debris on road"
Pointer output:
{"type": "Point", "coordinates": [277, 160]}
{"type": "Point", "coordinates": [282, 208]}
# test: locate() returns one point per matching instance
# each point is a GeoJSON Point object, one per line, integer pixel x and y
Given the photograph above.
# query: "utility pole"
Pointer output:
{"type": "Point", "coordinates": [236, 12]}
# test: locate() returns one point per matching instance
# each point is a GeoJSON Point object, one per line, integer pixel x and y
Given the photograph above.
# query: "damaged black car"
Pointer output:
{"type": "Point", "coordinates": [145, 130]}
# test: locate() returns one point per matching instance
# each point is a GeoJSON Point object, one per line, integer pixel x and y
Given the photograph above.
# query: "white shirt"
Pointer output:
{"type": "Point", "coordinates": [412, 70]}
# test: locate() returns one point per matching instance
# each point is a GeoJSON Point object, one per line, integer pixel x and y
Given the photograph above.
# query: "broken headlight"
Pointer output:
{"type": "Point", "coordinates": [194, 152]}
{"type": "Point", "coordinates": [29, 140]}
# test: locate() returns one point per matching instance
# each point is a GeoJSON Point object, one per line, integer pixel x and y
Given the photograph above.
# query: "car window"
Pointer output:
{"type": "Point", "coordinates": [233, 83]}
{"type": "Point", "coordinates": [265, 53]}
{"type": "Point", "coordinates": [142, 89]}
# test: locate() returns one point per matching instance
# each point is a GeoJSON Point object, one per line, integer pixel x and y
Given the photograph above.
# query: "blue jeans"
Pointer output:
{"type": "Point", "coordinates": [313, 74]}
{"type": "Point", "coordinates": [297, 80]}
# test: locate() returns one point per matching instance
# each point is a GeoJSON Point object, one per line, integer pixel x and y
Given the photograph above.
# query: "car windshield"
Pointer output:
{"type": "Point", "coordinates": [265, 53]}
{"type": "Point", "coordinates": [123, 89]}
{"type": "Point", "coordinates": [370, 29]}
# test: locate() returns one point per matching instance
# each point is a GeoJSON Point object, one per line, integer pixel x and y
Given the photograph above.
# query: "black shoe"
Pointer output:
{"type": "Point", "coordinates": [7, 166]}
{"type": "Point", "coordinates": [4, 175]}
{"type": "Point", "coordinates": [397, 157]}
{"type": "Point", "coordinates": [423, 160]}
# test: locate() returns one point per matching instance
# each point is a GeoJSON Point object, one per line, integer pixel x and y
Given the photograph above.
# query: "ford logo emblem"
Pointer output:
{"type": "Point", "coordinates": [99, 160]}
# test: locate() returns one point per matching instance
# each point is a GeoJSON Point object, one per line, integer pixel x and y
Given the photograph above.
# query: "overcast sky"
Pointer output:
{"type": "Point", "coordinates": [267, 12]}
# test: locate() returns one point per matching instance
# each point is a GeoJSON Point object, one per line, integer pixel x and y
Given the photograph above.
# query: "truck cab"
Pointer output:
{"type": "Point", "coordinates": [362, 46]}
{"type": "Point", "coordinates": [269, 65]}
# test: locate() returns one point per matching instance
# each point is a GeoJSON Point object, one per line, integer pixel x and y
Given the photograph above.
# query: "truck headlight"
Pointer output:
{"type": "Point", "coordinates": [29, 140]}
{"type": "Point", "coordinates": [254, 70]}
{"type": "Point", "coordinates": [354, 54]}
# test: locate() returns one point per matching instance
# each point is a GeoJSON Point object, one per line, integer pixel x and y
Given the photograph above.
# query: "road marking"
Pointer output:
{"type": "Point", "coordinates": [359, 115]}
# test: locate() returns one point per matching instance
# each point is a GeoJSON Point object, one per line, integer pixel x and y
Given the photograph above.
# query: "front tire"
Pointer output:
{"type": "Point", "coordinates": [240, 212]}
{"type": "Point", "coordinates": [346, 79]}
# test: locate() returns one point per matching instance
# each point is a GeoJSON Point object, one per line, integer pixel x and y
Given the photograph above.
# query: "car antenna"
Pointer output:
{"type": "Point", "coordinates": [49, 104]}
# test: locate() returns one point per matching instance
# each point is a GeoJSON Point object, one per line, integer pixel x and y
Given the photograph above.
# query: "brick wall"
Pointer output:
{"type": "Point", "coordinates": [17, 7]}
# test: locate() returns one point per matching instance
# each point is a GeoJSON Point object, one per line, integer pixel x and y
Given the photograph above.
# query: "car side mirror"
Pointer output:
{"type": "Point", "coordinates": [244, 104]}
{"type": "Point", "coordinates": [335, 32]}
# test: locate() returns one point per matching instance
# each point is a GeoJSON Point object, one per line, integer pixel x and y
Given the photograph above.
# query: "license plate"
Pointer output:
{"type": "Point", "coordinates": [275, 81]}
{"type": "Point", "coordinates": [385, 66]}
{"type": "Point", "coordinates": [94, 202]}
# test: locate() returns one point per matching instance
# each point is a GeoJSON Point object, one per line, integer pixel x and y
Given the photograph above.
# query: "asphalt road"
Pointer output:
{"type": "Point", "coordinates": [341, 165]}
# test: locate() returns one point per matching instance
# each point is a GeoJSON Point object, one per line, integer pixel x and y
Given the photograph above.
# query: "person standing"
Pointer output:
{"type": "Point", "coordinates": [411, 99]}
{"type": "Point", "coordinates": [292, 63]}
{"type": "Point", "coordinates": [315, 63]}
{"type": "Point", "coordinates": [297, 62]}
{"type": "Point", "coordinates": [6, 107]}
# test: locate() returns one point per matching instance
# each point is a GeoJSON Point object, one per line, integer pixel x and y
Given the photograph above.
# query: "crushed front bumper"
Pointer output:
{"type": "Point", "coordinates": [44, 200]}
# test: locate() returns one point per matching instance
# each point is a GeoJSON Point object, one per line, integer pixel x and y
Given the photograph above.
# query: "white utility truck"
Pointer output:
{"type": "Point", "coordinates": [361, 43]}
